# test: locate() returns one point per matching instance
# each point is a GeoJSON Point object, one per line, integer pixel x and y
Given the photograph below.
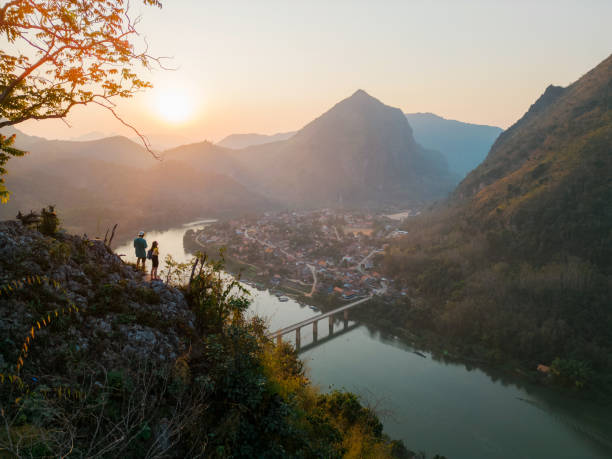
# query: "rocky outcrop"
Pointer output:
{"type": "Point", "coordinates": [120, 314]}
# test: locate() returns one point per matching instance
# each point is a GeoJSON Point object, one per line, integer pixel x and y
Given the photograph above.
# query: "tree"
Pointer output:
{"type": "Point", "coordinates": [6, 151]}
{"type": "Point", "coordinates": [66, 53]}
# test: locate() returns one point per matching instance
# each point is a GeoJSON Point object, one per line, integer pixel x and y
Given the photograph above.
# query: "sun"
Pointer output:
{"type": "Point", "coordinates": [174, 106]}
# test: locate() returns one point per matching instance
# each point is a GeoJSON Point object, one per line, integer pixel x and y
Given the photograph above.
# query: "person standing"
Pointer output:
{"type": "Point", "coordinates": [155, 260]}
{"type": "Point", "coordinates": [140, 244]}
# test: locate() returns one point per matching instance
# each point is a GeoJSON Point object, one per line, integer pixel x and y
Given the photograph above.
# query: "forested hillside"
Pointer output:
{"type": "Point", "coordinates": [518, 263]}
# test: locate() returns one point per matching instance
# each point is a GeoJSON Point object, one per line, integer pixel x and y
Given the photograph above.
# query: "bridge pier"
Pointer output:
{"type": "Point", "coordinates": [331, 325]}
{"type": "Point", "coordinates": [279, 339]}
{"type": "Point", "coordinates": [314, 331]}
{"type": "Point", "coordinates": [346, 318]}
{"type": "Point", "coordinates": [297, 338]}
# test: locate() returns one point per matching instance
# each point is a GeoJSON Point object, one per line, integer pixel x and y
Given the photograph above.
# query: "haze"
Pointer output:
{"type": "Point", "coordinates": [273, 66]}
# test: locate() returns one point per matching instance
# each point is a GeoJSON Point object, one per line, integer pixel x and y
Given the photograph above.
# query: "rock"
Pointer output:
{"type": "Point", "coordinates": [106, 329]}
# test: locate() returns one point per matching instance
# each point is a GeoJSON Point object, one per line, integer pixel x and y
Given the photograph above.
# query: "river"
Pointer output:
{"type": "Point", "coordinates": [452, 409]}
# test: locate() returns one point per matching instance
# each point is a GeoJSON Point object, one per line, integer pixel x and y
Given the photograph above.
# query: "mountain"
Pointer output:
{"type": "Point", "coordinates": [549, 176]}
{"type": "Point", "coordinates": [238, 141]}
{"type": "Point", "coordinates": [464, 145]}
{"type": "Point", "coordinates": [22, 141]}
{"type": "Point", "coordinates": [161, 142]}
{"type": "Point", "coordinates": [360, 152]}
{"type": "Point", "coordinates": [93, 135]}
{"type": "Point", "coordinates": [516, 265]}
{"type": "Point", "coordinates": [98, 183]}
{"type": "Point", "coordinates": [117, 150]}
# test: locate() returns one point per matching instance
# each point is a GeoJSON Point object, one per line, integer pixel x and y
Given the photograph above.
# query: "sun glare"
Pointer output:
{"type": "Point", "coordinates": [175, 107]}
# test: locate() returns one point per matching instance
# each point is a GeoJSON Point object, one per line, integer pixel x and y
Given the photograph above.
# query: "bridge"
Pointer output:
{"type": "Point", "coordinates": [314, 321]}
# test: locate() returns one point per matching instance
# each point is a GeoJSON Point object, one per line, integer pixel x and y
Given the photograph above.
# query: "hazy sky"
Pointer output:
{"type": "Point", "coordinates": [273, 65]}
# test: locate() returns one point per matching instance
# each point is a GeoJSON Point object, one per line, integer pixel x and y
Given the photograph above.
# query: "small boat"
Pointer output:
{"type": "Point", "coordinates": [314, 309]}
{"type": "Point", "coordinates": [283, 298]}
{"type": "Point", "coordinates": [420, 354]}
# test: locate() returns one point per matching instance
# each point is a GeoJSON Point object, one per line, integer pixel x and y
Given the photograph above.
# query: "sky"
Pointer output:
{"type": "Point", "coordinates": [272, 66]}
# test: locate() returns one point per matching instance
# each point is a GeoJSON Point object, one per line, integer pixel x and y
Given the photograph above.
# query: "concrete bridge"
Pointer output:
{"type": "Point", "coordinates": [314, 321]}
{"type": "Point", "coordinates": [337, 333]}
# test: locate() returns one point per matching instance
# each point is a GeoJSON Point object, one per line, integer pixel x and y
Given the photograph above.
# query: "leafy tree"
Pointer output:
{"type": "Point", "coordinates": [6, 151]}
{"type": "Point", "coordinates": [66, 53]}
{"type": "Point", "coordinates": [49, 223]}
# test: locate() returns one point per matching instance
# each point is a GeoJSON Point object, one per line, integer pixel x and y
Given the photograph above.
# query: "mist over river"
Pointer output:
{"type": "Point", "coordinates": [438, 407]}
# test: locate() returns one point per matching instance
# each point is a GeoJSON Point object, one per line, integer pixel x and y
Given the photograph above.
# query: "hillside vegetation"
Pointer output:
{"type": "Point", "coordinates": [518, 265]}
{"type": "Point", "coordinates": [97, 362]}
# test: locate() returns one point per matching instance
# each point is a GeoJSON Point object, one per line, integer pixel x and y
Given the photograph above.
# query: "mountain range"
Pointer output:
{"type": "Point", "coordinates": [464, 145]}
{"type": "Point", "coordinates": [238, 141]}
{"type": "Point", "coordinates": [360, 153]}
{"type": "Point", "coordinates": [98, 183]}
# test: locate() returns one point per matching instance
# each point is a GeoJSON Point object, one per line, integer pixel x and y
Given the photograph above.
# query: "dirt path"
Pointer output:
{"type": "Point", "coordinates": [314, 281]}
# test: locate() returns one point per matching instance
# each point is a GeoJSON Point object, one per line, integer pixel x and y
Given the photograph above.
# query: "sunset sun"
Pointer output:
{"type": "Point", "coordinates": [174, 106]}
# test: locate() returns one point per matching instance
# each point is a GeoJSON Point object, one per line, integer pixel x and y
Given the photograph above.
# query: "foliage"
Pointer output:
{"type": "Point", "coordinates": [49, 223]}
{"type": "Point", "coordinates": [488, 295]}
{"type": "Point", "coordinates": [63, 54]}
{"type": "Point", "coordinates": [218, 300]}
{"type": "Point", "coordinates": [572, 373]}
{"type": "Point", "coordinates": [176, 272]}
{"type": "Point", "coordinates": [7, 150]}
{"type": "Point", "coordinates": [78, 52]}
{"type": "Point", "coordinates": [28, 282]}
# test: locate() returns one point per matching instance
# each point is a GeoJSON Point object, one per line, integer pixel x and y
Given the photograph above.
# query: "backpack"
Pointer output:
{"type": "Point", "coordinates": [150, 254]}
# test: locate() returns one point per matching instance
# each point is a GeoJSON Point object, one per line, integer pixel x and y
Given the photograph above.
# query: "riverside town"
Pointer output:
{"type": "Point", "coordinates": [309, 253]}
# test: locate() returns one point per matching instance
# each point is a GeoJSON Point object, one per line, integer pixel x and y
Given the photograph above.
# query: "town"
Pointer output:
{"type": "Point", "coordinates": [325, 254]}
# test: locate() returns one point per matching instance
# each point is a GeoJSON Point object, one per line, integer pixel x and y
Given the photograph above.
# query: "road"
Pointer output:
{"type": "Point", "coordinates": [314, 280]}
{"type": "Point", "coordinates": [337, 235]}
{"type": "Point", "coordinates": [268, 244]}
{"type": "Point", "coordinates": [382, 290]}
{"type": "Point", "coordinates": [362, 262]}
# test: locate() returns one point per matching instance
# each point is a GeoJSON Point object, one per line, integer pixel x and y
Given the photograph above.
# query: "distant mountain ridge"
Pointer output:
{"type": "Point", "coordinates": [465, 145]}
{"type": "Point", "coordinates": [237, 141]}
{"type": "Point", "coordinates": [360, 152]}
{"type": "Point", "coordinates": [98, 183]}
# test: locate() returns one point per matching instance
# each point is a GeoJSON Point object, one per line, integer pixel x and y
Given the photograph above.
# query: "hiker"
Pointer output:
{"type": "Point", "coordinates": [154, 256]}
{"type": "Point", "coordinates": [140, 244]}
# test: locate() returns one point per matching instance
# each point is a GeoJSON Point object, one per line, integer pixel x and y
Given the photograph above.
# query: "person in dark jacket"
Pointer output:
{"type": "Point", "coordinates": [140, 245]}
{"type": "Point", "coordinates": [155, 260]}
